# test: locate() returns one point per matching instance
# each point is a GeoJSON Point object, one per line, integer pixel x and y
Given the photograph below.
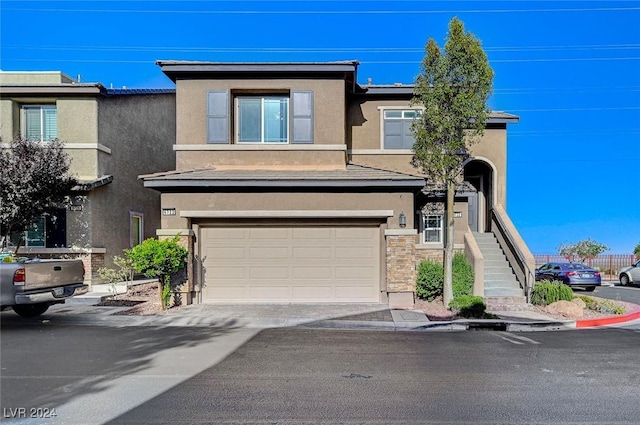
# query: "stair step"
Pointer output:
{"type": "Point", "coordinates": [502, 292]}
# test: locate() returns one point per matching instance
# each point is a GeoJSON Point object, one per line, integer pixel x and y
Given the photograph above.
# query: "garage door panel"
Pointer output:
{"type": "Point", "coordinates": [355, 253]}
{"type": "Point", "coordinates": [268, 253]}
{"type": "Point", "coordinates": [355, 293]}
{"type": "Point", "coordinates": [312, 273]}
{"type": "Point", "coordinates": [312, 252]}
{"type": "Point", "coordinates": [313, 293]}
{"type": "Point", "coordinates": [224, 252]}
{"type": "Point", "coordinates": [291, 264]}
{"type": "Point", "coordinates": [221, 273]}
{"type": "Point", "coordinates": [268, 272]}
{"type": "Point", "coordinates": [269, 233]}
{"type": "Point", "coordinates": [269, 293]}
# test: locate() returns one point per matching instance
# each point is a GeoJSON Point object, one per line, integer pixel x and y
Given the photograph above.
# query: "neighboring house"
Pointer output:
{"type": "Point", "coordinates": [112, 136]}
{"type": "Point", "coordinates": [293, 183]}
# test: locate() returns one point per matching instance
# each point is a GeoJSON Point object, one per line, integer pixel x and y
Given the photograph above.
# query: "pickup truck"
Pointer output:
{"type": "Point", "coordinates": [30, 286]}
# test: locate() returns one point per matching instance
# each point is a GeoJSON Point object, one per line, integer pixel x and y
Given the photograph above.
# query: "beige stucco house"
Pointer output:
{"type": "Point", "coordinates": [112, 136]}
{"type": "Point", "coordinates": [293, 183]}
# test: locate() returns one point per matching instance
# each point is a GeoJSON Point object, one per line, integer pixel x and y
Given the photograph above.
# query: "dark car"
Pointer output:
{"type": "Point", "coordinates": [572, 274]}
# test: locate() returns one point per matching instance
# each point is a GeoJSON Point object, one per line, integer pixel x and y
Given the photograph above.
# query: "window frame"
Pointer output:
{"type": "Point", "coordinates": [262, 97]}
{"type": "Point", "coordinates": [424, 228]}
{"type": "Point", "coordinates": [44, 131]}
{"type": "Point", "coordinates": [383, 110]}
{"type": "Point", "coordinates": [132, 216]}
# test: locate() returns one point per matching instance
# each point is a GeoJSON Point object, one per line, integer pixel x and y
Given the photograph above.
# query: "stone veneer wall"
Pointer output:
{"type": "Point", "coordinates": [401, 269]}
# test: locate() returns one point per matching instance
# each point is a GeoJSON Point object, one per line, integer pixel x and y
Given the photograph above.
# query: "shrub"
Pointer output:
{"type": "Point", "coordinates": [468, 306]}
{"type": "Point", "coordinates": [602, 306]}
{"type": "Point", "coordinates": [159, 258]}
{"type": "Point", "coordinates": [430, 280]}
{"type": "Point", "coordinates": [462, 276]}
{"type": "Point", "coordinates": [546, 292]}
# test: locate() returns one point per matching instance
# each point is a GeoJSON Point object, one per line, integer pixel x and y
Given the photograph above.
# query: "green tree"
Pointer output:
{"type": "Point", "coordinates": [159, 258]}
{"type": "Point", "coordinates": [636, 250]}
{"type": "Point", "coordinates": [583, 250]}
{"type": "Point", "coordinates": [34, 180]}
{"type": "Point", "coordinates": [453, 89]}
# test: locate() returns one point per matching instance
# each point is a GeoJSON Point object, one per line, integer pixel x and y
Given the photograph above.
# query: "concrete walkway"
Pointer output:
{"type": "Point", "coordinates": [82, 310]}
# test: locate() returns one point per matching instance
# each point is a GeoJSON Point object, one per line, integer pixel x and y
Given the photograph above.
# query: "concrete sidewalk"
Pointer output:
{"type": "Point", "coordinates": [83, 310]}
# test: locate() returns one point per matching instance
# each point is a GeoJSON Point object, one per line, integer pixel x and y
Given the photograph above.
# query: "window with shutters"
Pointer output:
{"type": "Point", "coordinates": [260, 118]}
{"type": "Point", "coordinates": [40, 122]}
{"type": "Point", "coordinates": [397, 128]}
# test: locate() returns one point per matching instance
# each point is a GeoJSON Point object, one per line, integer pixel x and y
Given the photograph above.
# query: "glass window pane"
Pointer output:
{"type": "Point", "coordinates": [275, 120]}
{"type": "Point", "coordinates": [410, 114]}
{"type": "Point", "coordinates": [136, 230]}
{"type": "Point", "coordinates": [393, 114]}
{"type": "Point", "coordinates": [50, 123]}
{"type": "Point", "coordinates": [249, 120]}
{"type": "Point", "coordinates": [33, 128]}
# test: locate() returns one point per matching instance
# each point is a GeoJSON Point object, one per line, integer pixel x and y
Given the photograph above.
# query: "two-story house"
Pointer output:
{"type": "Point", "coordinates": [111, 136]}
{"type": "Point", "coordinates": [293, 183]}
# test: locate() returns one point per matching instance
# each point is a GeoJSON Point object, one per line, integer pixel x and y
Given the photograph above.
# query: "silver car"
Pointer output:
{"type": "Point", "coordinates": [630, 275]}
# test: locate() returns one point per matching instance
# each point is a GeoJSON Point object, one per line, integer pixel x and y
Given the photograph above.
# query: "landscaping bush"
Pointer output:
{"type": "Point", "coordinates": [470, 306]}
{"type": "Point", "coordinates": [602, 306]}
{"type": "Point", "coordinates": [429, 280]}
{"type": "Point", "coordinates": [462, 276]}
{"type": "Point", "coordinates": [546, 292]}
{"type": "Point", "coordinates": [161, 259]}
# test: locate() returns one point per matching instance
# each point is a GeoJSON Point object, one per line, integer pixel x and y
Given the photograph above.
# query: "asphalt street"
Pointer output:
{"type": "Point", "coordinates": [130, 375]}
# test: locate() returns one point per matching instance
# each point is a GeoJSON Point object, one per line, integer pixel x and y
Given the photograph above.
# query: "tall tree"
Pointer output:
{"type": "Point", "coordinates": [34, 179]}
{"type": "Point", "coordinates": [453, 88]}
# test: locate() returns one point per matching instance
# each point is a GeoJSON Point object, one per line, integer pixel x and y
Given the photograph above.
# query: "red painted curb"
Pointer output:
{"type": "Point", "coordinates": [587, 323]}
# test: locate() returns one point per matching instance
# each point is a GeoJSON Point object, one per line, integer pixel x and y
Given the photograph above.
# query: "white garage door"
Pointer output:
{"type": "Point", "coordinates": [291, 264]}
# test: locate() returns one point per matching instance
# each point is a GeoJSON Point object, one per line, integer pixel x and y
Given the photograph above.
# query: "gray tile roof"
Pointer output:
{"type": "Point", "coordinates": [353, 176]}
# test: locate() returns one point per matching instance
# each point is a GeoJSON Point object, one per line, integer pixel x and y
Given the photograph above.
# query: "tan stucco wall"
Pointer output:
{"type": "Point", "coordinates": [271, 159]}
{"type": "Point", "coordinates": [279, 201]}
{"type": "Point", "coordinates": [191, 103]}
{"type": "Point", "coordinates": [36, 77]}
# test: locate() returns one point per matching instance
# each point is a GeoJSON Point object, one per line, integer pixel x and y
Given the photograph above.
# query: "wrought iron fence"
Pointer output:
{"type": "Point", "coordinates": [608, 264]}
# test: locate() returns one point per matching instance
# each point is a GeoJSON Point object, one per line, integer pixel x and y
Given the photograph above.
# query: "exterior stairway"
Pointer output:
{"type": "Point", "coordinates": [502, 292]}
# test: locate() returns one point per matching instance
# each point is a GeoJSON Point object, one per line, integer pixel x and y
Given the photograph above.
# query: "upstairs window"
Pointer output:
{"type": "Point", "coordinates": [275, 118]}
{"type": "Point", "coordinates": [397, 128]}
{"type": "Point", "coordinates": [263, 119]}
{"type": "Point", "coordinates": [40, 122]}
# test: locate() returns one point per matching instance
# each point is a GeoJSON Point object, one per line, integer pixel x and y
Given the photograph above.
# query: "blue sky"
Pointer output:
{"type": "Point", "coordinates": [570, 70]}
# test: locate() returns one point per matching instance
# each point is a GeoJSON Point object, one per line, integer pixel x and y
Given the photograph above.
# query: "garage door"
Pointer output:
{"type": "Point", "coordinates": [291, 264]}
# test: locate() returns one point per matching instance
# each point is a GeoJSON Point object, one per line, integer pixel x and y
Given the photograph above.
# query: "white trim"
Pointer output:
{"type": "Point", "coordinates": [260, 147]}
{"type": "Point", "coordinates": [174, 232]}
{"type": "Point", "coordinates": [383, 108]}
{"type": "Point", "coordinates": [96, 146]}
{"type": "Point", "coordinates": [400, 232]}
{"type": "Point", "coordinates": [289, 214]}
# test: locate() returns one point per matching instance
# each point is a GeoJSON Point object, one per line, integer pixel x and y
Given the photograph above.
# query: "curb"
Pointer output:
{"type": "Point", "coordinates": [612, 320]}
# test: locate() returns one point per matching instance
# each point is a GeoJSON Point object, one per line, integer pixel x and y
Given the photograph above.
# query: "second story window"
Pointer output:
{"type": "Point", "coordinates": [263, 119]}
{"type": "Point", "coordinates": [397, 128]}
{"type": "Point", "coordinates": [40, 122]}
{"type": "Point", "coordinates": [274, 118]}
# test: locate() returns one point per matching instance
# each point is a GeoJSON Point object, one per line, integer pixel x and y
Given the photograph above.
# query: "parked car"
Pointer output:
{"type": "Point", "coordinates": [630, 275]}
{"type": "Point", "coordinates": [572, 274]}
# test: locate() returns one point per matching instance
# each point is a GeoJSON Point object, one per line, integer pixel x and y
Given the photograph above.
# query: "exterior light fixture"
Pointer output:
{"type": "Point", "coordinates": [402, 219]}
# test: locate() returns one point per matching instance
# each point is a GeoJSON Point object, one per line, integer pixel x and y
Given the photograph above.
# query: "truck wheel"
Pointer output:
{"type": "Point", "coordinates": [30, 310]}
